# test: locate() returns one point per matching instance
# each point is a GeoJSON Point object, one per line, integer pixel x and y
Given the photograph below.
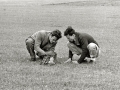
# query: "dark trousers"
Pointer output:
{"type": "Point", "coordinates": [30, 47]}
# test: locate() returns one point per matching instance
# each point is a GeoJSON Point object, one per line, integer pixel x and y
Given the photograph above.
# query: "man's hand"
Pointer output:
{"type": "Point", "coordinates": [68, 61]}
{"type": "Point", "coordinates": [90, 59]}
{"type": "Point", "coordinates": [87, 59]}
{"type": "Point", "coordinates": [51, 62]}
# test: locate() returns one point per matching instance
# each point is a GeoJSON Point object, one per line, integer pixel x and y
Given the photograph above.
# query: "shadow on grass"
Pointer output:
{"type": "Point", "coordinates": [59, 61]}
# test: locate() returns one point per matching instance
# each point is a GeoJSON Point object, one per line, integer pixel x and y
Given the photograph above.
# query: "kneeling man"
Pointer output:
{"type": "Point", "coordinates": [82, 47]}
{"type": "Point", "coordinates": [42, 43]}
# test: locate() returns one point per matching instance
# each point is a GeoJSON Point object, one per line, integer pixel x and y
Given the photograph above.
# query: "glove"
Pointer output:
{"type": "Point", "coordinates": [51, 61]}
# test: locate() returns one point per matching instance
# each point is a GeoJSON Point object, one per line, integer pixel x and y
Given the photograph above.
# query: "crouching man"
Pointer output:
{"type": "Point", "coordinates": [42, 44]}
{"type": "Point", "coordinates": [82, 47]}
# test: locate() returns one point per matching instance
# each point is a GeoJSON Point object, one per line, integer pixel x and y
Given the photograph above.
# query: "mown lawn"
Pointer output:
{"type": "Point", "coordinates": [20, 20]}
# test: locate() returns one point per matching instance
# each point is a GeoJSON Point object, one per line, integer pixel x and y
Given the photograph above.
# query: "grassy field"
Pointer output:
{"type": "Point", "coordinates": [18, 20]}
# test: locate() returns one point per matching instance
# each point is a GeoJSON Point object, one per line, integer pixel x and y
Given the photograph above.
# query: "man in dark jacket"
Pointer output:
{"type": "Point", "coordinates": [82, 46]}
{"type": "Point", "coordinates": [42, 43]}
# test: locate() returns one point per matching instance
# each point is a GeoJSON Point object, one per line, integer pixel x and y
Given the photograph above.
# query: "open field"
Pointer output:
{"type": "Point", "coordinates": [18, 20]}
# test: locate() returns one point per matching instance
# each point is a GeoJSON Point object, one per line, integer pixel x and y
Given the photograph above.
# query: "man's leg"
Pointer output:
{"type": "Point", "coordinates": [30, 48]}
{"type": "Point", "coordinates": [75, 50]}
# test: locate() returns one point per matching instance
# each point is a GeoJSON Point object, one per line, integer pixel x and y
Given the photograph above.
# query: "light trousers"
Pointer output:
{"type": "Point", "coordinates": [76, 51]}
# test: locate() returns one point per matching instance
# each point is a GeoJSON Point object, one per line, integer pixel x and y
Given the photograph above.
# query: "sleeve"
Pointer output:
{"type": "Point", "coordinates": [70, 54]}
{"type": "Point", "coordinates": [51, 50]}
{"type": "Point", "coordinates": [38, 41]}
{"type": "Point", "coordinates": [84, 43]}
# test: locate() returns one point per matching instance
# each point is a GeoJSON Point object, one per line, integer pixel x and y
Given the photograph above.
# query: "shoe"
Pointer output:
{"type": "Point", "coordinates": [93, 59]}
{"type": "Point", "coordinates": [75, 62]}
{"type": "Point", "coordinates": [87, 59]}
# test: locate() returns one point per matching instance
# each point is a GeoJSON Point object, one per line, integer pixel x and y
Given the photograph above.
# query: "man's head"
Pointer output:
{"type": "Point", "coordinates": [70, 34]}
{"type": "Point", "coordinates": [54, 36]}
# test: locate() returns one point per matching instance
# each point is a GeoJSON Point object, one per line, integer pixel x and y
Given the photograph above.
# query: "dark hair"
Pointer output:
{"type": "Point", "coordinates": [69, 31]}
{"type": "Point", "coordinates": [56, 33]}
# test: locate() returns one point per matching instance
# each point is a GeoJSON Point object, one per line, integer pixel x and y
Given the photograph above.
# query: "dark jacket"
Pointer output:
{"type": "Point", "coordinates": [82, 40]}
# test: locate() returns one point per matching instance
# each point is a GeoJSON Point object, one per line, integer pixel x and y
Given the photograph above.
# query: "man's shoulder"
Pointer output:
{"type": "Point", "coordinates": [40, 34]}
{"type": "Point", "coordinates": [44, 31]}
{"type": "Point", "coordinates": [82, 34]}
{"type": "Point", "coordinates": [78, 34]}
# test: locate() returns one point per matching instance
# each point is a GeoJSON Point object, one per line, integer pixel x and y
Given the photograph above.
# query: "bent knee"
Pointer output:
{"type": "Point", "coordinates": [70, 44]}
{"type": "Point", "coordinates": [29, 41]}
{"type": "Point", "coordinates": [92, 46]}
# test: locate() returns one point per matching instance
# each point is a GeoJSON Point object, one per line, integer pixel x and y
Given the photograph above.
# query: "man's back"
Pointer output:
{"type": "Point", "coordinates": [40, 34]}
{"type": "Point", "coordinates": [42, 40]}
{"type": "Point", "coordinates": [84, 37]}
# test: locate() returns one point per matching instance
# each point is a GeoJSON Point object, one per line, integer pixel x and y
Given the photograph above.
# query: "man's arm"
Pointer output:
{"type": "Point", "coordinates": [51, 50]}
{"type": "Point", "coordinates": [38, 41]}
{"type": "Point", "coordinates": [84, 43]}
{"type": "Point", "coordinates": [83, 55]}
{"type": "Point", "coordinates": [70, 54]}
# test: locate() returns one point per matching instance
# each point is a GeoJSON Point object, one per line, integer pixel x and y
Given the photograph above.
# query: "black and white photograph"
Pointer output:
{"type": "Point", "coordinates": [59, 44]}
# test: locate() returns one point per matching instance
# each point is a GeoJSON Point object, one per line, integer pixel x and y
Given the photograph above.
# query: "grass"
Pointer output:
{"type": "Point", "coordinates": [18, 22]}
